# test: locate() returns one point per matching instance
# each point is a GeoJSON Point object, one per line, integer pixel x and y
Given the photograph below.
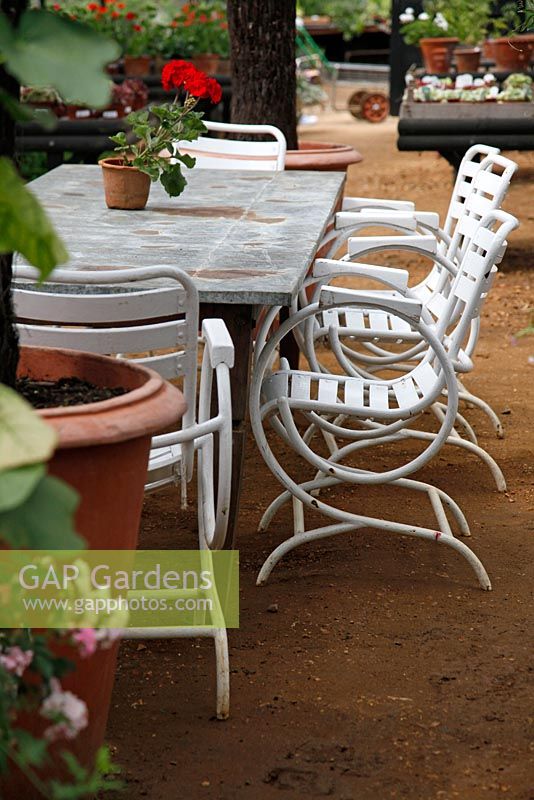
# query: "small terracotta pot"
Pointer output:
{"type": "Point", "coordinates": [137, 65]}
{"type": "Point", "coordinates": [207, 62]}
{"type": "Point", "coordinates": [514, 53]}
{"type": "Point", "coordinates": [125, 187]}
{"type": "Point", "coordinates": [437, 53]}
{"type": "Point", "coordinates": [324, 156]}
{"type": "Point", "coordinates": [487, 49]}
{"type": "Point", "coordinates": [467, 59]}
{"type": "Point", "coordinates": [224, 66]}
{"type": "Point", "coordinates": [102, 453]}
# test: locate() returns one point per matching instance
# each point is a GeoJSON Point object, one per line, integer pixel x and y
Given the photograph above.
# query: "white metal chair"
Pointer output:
{"type": "Point", "coordinates": [486, 191]}
{"type": "Point", "coordinates": [107, 313]}
{"type": "Point", "coordinates": [217, 153]}
{"type": "Point", "coordinates": [383, 410]}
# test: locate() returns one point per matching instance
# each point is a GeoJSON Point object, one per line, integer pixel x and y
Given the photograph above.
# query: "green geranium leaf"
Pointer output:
{"type": "Point", "coordinates": [45, 520]}
{"type": "Point", "coordinates": [17, 484]}
{"type": "Point", "coordinates": [31, 750]}
{"type": "Point", "coordinates": [24, 226]}
{"type": "Point", "coordinates": [24, 437]}
{"type": "Point", "coordinates": [173, 181]}
{"type": "Point", "coordinates": [49, 50]}
{"type": "Point", "coordinates": [192, 126]}
{"type": "Point", "coordinates": [187, 160]}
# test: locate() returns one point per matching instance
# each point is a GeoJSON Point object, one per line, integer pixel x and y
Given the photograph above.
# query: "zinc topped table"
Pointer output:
{"type": "Point", "coordinates": [247, 238]}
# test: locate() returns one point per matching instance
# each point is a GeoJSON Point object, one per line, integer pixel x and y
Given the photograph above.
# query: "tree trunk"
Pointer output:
{"type": "Point", "coordinates": [262, 40]}
{"type": "Point", "coordinates": [9, 350]}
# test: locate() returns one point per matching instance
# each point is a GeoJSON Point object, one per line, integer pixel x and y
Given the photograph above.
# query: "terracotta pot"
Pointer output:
{"type": "Point", "coordinates": [207, 62]}
{"type": "Point", "coordinates": [437, 53]}
{"type": "Point", "coordinates": [513, 54]}
{"type": "Point", "coordinates": [103, 453]}
{"type": "Point", "coordinates": [324, 156]}
{"type": "Point", "coordinates": [137, 65]}
{"type": "Point", "coordinates": [467, 59]}
{"type": "Point", "coordinates": [487, 49]}
{"type": "Point", "coordinates": [125, 187]}
{"type": "Point", "coordinates": [224, 66]}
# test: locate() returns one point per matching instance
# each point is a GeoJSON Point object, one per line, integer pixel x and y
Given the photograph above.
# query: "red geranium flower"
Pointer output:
{"type": "Point", "coordinates": [56, 7]}
{"type": "Point", "coordinates": [137, 27]}
{"type": "Point", "coordinates": [174, 74]}
{"type": "Point", "coordinates": [115, 15]}
{"type": "Point", "coordinates": [174, 24]}
{"type": "Point", "coordinates": [131, 15]}
{"type": "Point", "coordinates": [214, 91]}
{"type": "Point", "coordinates": [202, 18]}
{"type": "Point", "coordinates": [121, 5]}
{"type": "Point", "coordinates": [101, 10]}
{"type": "Point", "coordinates": [92, 6]}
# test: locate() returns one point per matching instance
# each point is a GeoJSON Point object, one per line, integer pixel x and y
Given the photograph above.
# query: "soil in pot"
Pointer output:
{"type": "Point", "coordinates": [437, 53]}
{"type": "Point", "coordinates": [467, 59]}
{"type": "Point", "coordinates": [125, 187]}
{"type": "Point", "coordinates": [64, 392]}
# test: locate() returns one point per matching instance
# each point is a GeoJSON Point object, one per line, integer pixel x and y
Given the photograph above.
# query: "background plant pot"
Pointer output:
{"type": "Point", "coordinates": [513, 53]}
{"type": "Point", "coordinates": [102, 453]}
{"type": "Point", "coordinates": [137, 65]}
{"type": "Point", "coordinates": [125, 187]}
{"type": "Point", "coordinates": [437, 53]}
{"type": "Point", "coordinates": [224, 66]}
{"type": "Point", "coordinates": [207, 62]}
{"type": "Point", "coordinates": [467, 59]}
{"type": "Point", "coordinates": [324, 156]}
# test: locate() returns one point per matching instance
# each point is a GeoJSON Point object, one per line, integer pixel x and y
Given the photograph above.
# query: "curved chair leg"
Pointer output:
{"type": "Point", "coordinates": [439, 410]}
{"type": "Point", "coordinates": [220, 639]}
{"type": "Point", "coordinates": [439, 537]}
{"type": "Point", "coordinates": [487, 409]}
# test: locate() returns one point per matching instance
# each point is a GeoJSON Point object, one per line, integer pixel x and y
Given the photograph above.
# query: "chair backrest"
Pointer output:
{"type": "Point", "coordinates": [487, 190]}
{"type": "Point", "coordinates": [107, 313]}
{"type": "Point", "coordinates": [475, 276]}
{"type": "Point", "coordinates": [469, 166]}
{"type": "Point", "coordinates": [216, 153]}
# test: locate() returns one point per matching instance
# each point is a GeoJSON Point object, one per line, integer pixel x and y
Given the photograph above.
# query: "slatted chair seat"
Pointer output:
{"type": "Point", "coordinates": [217, 153]}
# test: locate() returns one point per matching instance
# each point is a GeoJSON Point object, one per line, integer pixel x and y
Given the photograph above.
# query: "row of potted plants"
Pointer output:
{"type": "Point", "coordinates": [146, 33]}
{"type": "Point", "coordinates": [466, 29]}
{"type": "Point", "coordinates": [130, 95]}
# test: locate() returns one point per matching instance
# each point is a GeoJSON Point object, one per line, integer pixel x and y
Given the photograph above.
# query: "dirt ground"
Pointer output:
{"type": "Point", "coordinates": [385, 671]}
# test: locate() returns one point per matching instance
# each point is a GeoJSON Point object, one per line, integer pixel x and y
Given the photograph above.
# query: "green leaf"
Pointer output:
{"type": "Point", "coordinates": [31, 750]}
{"type": "Point", "coordinates": [186, 159]}
{"type": "Point", "coordinates": [149, 168]}
{"type": "Point", "coordinates": [173, 181]}
{"type": "Point", "coordinates": [24, 226]}
{"type": "Point", "coordinates": [17, 484]}
{"type": "Point", "coordinates": [45, 520]}
{"type": "Point", "coordinates": [49, 50]}
{"type": "Point", "coordinates": [119, 138]}
{"type": "Point", "coordinates": [24, 437]}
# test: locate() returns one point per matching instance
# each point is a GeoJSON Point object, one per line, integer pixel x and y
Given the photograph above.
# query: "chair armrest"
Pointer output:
{"type": "Point", "coordinates": [358, 203]}
{"type": "Point", "coordinates": [428, 219]}
{"type": "Point", "coordinates": [381, 217]}
{"type": "Point", "coordinates": [218, 342]}
{"type": "Point", "coordinates": [334, 296]}
{"type": "Point", "coordinates": [390, 276]}
{"type": "Point", "coordinates": [425, 244]}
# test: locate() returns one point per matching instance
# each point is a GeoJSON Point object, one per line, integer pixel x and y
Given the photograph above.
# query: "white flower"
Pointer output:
{"type": "Point", "coordinates": [409, 10]}
{"type": "Point", "coordinates": [404, 18]}
{"type": "Point", "coordinates": [68, 712]}
{"type": "Point", "coordinates": [423, 16]}
{"type": "Point", "coordinates": [440, 21]}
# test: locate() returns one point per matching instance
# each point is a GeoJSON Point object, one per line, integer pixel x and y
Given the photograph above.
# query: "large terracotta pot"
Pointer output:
{"type": "Point", "coordinates": [467, 59]}
{"type": "Point", "coordinates": [124, 187]}
{"type": "Point", "coordinates": [102, 453]}
{"type": "Point", "coordinates": [437, 53]}
{"type": "Point", "coordinates": [324, 156]}
{"type": "Point", "coordinates": [513, 53]}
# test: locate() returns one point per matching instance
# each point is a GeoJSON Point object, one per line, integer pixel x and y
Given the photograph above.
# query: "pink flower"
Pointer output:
{"type": "Point", "coordinates": [68, 712]}
{"type": "Point", "coordinates": [86, 639]}
{"type": "Point", "coordinates": [106, 636]}
{"type": "Point", "coordinates": [16, 660]}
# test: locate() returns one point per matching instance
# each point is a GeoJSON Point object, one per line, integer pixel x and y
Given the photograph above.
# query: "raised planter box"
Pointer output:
{"type": "Point", "coordinates": [463, 110]}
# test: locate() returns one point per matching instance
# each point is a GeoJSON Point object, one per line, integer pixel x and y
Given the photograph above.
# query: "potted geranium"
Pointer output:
{"type": "Point", "coordinates": [430, 31]}
{"type": "Point", "coordinates": [204, 31]}
{"type": "Point", "coordinates": [154, 154]}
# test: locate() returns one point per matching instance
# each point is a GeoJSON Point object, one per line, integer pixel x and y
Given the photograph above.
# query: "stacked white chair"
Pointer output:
{"type": "Point", "coordinates": [383, 409]}
{"type": "Point", "coordinates": [107, 313]}
{"type": "Point", "coordinates": [217, 153]}
{"type": "Point", "coordinates": [471, 199]}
